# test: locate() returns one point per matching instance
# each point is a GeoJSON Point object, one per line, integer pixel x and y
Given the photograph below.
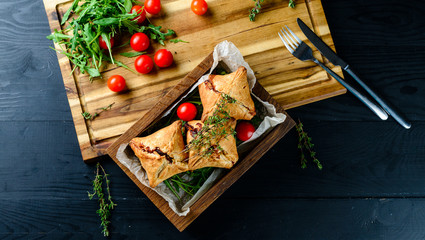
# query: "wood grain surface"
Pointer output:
{"type": "Point", "coordinates": [291, 82]}
{"type": "Point", "coordinates": [372, 185]}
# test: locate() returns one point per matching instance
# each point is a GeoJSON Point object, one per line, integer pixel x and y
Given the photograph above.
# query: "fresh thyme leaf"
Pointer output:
{"type": "Point", "coordinates": [132, 54]}
{"type": "Point", "coordinates": [191, 183]}
{"type": "Point", "coordinates": [305, 144]}
{"type": "Point", "coordinates": [88, 116]}
{"type": "Point", "coordinates": [105, 205]}
{"type": "Point", "coordinates": [256, 9]}
{"type": "Point", "coordinates": [177, 40]}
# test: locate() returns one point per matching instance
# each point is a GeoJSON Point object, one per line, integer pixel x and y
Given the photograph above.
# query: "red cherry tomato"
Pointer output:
{"type": "Point", "coordinates": [116, 83]}
{"type": "Point", "coordinates": [244, 130]}
{"type": "Point", "coordinates": [163, 58]}
{"type": "Point", "coordinates": [103, 45]}
{"type": "Point", "coordinates": [199, 7]}
{"type": "Point", "coordinates": [143, 64]}
{"type": "Point", "coordinates": [139, 42]}
{"type": "Point", "coordinates": [140, 10]}
{"type": "Point", "coordinates": [187, 111]}
{"type": "Point", "coordinates": [153, 6]}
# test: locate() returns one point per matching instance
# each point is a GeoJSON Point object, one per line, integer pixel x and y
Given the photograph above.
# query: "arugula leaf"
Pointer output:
{"type": "Point", "coordinates": [155, 33]}
{"type": "Point", "coordinates": [177, 40]}
{"type": "Point", "coordinates": [128, 5]}
{"type": "Point", "coordinates": [105, 38]}
{"type": "Point", "coordinates": [68, 12]}
{"type": "Point", "coordinates": [94, 19]}
{"type": "Point", "coordinates": [132, 54]}
{"type": "Point", "coordinates": [107, 21]}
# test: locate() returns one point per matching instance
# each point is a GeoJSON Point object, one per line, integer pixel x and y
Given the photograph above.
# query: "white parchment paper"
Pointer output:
{"type": "Point", "coordinates": [227, 53]}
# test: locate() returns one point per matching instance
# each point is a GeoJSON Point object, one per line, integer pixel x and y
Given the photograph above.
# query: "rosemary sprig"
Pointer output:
{"type": "Point", "coordinates": [305, 144]}
{"type": "Point", "coordinates": [105, 205]}
{"type": "Point", "coordinates": [88, 116]}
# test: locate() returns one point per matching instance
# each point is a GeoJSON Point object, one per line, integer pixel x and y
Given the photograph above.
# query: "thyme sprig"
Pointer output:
{"type": "Point", "coordinates": [305, 144]}
{"type": "Point", "coordinates": [195, 180]}
{"type": "Point", "coordinates": [214, 128]}
{"type": "Point", "coordinates": [88, 115]}
{"type": "Point", "coordinates": [105, 205]}
{"type": "Point", "coordinates": [256, 9]}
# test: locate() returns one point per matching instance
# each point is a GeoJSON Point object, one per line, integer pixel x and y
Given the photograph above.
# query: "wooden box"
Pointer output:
{"type": "Point", "coordinates": [245, 162]}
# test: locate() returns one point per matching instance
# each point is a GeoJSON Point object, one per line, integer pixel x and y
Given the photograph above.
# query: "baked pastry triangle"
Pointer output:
{"type": "Point", "coordinates": [234, 85]}
{"type": "Point", "coordinates": [162, 153]}
{"type": "Point", "coordinates": [221, 151]}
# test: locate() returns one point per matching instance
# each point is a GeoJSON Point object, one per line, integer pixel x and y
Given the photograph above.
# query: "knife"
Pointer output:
{"type": "Point", "coordinates": [337, 61]}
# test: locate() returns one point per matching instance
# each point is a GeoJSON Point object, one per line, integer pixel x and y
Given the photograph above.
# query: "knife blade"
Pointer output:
{"type": "Point", "coordinates": [337, 61]}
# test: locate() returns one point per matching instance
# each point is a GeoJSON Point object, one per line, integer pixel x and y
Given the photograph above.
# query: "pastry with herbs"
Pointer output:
{"type": "Point", "coordinates": [234, 89]}
{"type": "Point", "coordinates": [162, 153]}
{"type": "Point", "coordinates": [211, 145]}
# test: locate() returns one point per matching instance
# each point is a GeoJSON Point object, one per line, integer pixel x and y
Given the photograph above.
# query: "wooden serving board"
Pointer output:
{"type": "Point", "coordinates": [246, 160]}
{"type": "Point", "coordinates": [291, 82]}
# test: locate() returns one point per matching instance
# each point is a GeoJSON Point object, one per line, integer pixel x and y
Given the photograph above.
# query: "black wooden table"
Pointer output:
{"type": "Point", "coordinates": [372, 185]}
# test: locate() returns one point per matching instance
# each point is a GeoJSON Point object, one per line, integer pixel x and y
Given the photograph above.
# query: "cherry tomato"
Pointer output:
{"type": "Point", "coordinates": [199, 7]}
{"type": "Point", "coordinates": [139, 42]}
{"type": "Point", "coordinates": [153, 6]}
{"type": "Point", "coordinates": [143, 64]}
{"type": "Point", "coordinates": [140, 10]}
{"type": "Point", "coordinates": [116, 83]}
{"type": "Point", "coordinates": [244, 130]}
{"type": "Point", "coordinates": [163, 58]}
{"type": "Point", "coordinates": [187, 111]}
{"type": "Point", "coordinates": [103, 45]}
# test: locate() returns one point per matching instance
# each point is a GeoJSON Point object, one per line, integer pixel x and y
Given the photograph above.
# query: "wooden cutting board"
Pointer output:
{"type": "Point", "coordinates": [291, 82]}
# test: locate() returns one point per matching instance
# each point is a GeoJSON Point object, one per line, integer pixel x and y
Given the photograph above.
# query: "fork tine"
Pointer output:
{"type": "Point", "coordinates": [286, 45]}
{"type": "Point", "coordinates": [293, 34]}
{"type": "Point", "coordinates": [288, 41]}
{"type": "Point", "coordinates": [289, 36]}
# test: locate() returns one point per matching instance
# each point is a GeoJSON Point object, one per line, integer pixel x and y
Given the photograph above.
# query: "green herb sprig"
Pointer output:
{"type": "Point", "coordinates": [213, 128]}
{"type": "Point", "coordinates": [305, 144]}
{"type": "Point", "coordinates": [88, 116]}
{"type": "Point", "coordinates": [105, 205]}
{"type": "Point", "coordinates": [256, 9]}
{"type": "Point", "coordinates": [195, 181]}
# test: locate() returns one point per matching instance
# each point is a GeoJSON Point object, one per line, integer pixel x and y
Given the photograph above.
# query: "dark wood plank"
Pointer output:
{"type": "Point", "coordinates": [225, 219]}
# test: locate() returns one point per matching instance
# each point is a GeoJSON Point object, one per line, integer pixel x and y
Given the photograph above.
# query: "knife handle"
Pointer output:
{"type": "Point", "coordinates": [375, 108]}
{"type": "Point", "coordinates": [390, 110]}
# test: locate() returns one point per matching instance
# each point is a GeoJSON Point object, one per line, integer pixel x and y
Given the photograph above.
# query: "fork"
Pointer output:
{"type": "Point", "coordinates": [303, 52]}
